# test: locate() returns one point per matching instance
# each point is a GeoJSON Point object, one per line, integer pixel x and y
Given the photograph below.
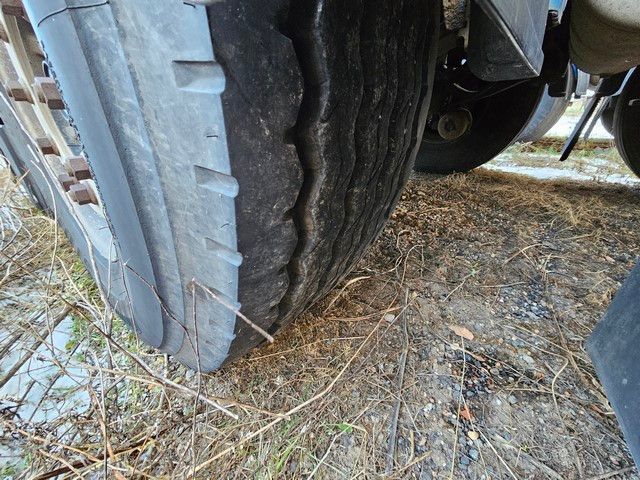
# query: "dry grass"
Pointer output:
{"type": "Point", "coordinates": [375, 357]}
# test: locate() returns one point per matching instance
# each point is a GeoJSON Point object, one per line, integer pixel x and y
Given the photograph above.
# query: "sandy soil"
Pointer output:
{"type": "Point", "coordinates": [455, 349]}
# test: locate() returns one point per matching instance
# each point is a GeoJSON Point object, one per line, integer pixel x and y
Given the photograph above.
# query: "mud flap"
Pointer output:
{"type": "Point", "coordinates": [613, 347]}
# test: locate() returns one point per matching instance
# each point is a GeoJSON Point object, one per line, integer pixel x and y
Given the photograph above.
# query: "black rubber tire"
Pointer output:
{"type": "Point", "coordinates": [549, 111]}
{"type": "Point", "coordinates": [253, 180]}
{"type": "Point", "coordinates": [497, 123]}
{"type": "Point", "coordinates": [626, 123]}
{"type": "Point", "coordinates": [606, 117]}
{"type": "Point", "coordinates": [327, 124]}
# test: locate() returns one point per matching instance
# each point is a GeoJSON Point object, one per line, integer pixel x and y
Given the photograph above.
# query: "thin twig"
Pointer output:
{"type": "Point", "coordinates": [460, 399]}
{"type": "Point", "coordinates": [393, 427]}
{"type": "Point", "coordinates": [604, 476]}
{"type": "Point", "coordinates": [16, 367]}
{"type": "Point", "coordinates": [294, 410]}
{"type": "Point", "coordinates": [550, 472]}
{"type": "Point", "coordinates": [226, 304]}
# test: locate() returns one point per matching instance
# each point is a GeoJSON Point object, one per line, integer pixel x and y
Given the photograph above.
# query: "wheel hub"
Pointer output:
{"type": "Point", "coordinates": [452, 125]}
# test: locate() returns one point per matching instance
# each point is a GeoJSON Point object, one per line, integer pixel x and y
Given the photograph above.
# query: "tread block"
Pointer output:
{"type": "Point", "coordinates": [225, 253]}
{"type": "Point", "coordinates": [218, 297]}
{"type": "Point", "coordinates": [199, 76]}
{"type": "Point", "coordinates": [217, 182]}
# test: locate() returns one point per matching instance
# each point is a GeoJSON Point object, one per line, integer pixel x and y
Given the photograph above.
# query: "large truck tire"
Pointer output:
{"type": "Point", "coordinates": [606, 117]}
{"type": "Point", "coordinates": [496, 122]}
{"type": "Point", "coordinates": [245, 153]}
{"type": "Point", "coordinates": [549, 111]}
{"type": "Point", "coordinates": [626, 123]}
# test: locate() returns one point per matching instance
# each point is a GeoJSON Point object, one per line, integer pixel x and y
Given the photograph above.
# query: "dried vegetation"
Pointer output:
{"type": "Point", "coordinates": [454, 350]}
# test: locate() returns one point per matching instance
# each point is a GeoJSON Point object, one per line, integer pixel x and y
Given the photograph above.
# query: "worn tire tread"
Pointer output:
{"type": "Point", "coordinates": [349, 76]}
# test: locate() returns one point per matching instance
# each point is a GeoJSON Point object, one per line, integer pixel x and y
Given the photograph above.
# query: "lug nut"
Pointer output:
{"type": "Point", "coordinates": [67, 181]}
{"type": "Point", "coordinates": [16, 90]}
{"type": "Point", "coordinates": [14, 8]}
{"type": "Point", "coordinates": [46, 146]}
{"type": "Point", "coordinates": [83, 194]}
{"type": "Point", "coordinates": [78, 168]}
{"type": "Point", "coordinates": [48, 93]}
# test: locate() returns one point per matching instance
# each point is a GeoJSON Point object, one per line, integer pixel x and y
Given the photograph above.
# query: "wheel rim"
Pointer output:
{"type": "Point", "coordinates": [45, 120]}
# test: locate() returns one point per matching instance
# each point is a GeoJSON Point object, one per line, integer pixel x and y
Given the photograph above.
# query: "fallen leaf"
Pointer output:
{"type": "Point", "coordinates": [466, 413]}
{"type": "Point", "coordinates": [461, 331]}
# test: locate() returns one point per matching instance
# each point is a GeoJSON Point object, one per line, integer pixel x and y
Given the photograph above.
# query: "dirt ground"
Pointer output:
{"type": "Point", "coordinates": [455, 350]}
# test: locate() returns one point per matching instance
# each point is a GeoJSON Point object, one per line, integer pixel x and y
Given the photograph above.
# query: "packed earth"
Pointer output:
{"type": "Point", "coordinates": [454, 350]}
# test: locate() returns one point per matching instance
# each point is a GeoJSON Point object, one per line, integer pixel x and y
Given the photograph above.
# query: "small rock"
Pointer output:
{"type": "Point", "coordinates": [512, 399]}
{"type": "Point", "coordinates": [528, 359]}
{"type": "Point", "coordinates": [474, 454]}
{"type": "Point", "coordinates": [473, 435]}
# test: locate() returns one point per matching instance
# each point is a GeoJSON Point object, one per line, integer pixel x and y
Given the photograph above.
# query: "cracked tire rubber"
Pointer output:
{"type": "Point", "coordinates": [321, 107]}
